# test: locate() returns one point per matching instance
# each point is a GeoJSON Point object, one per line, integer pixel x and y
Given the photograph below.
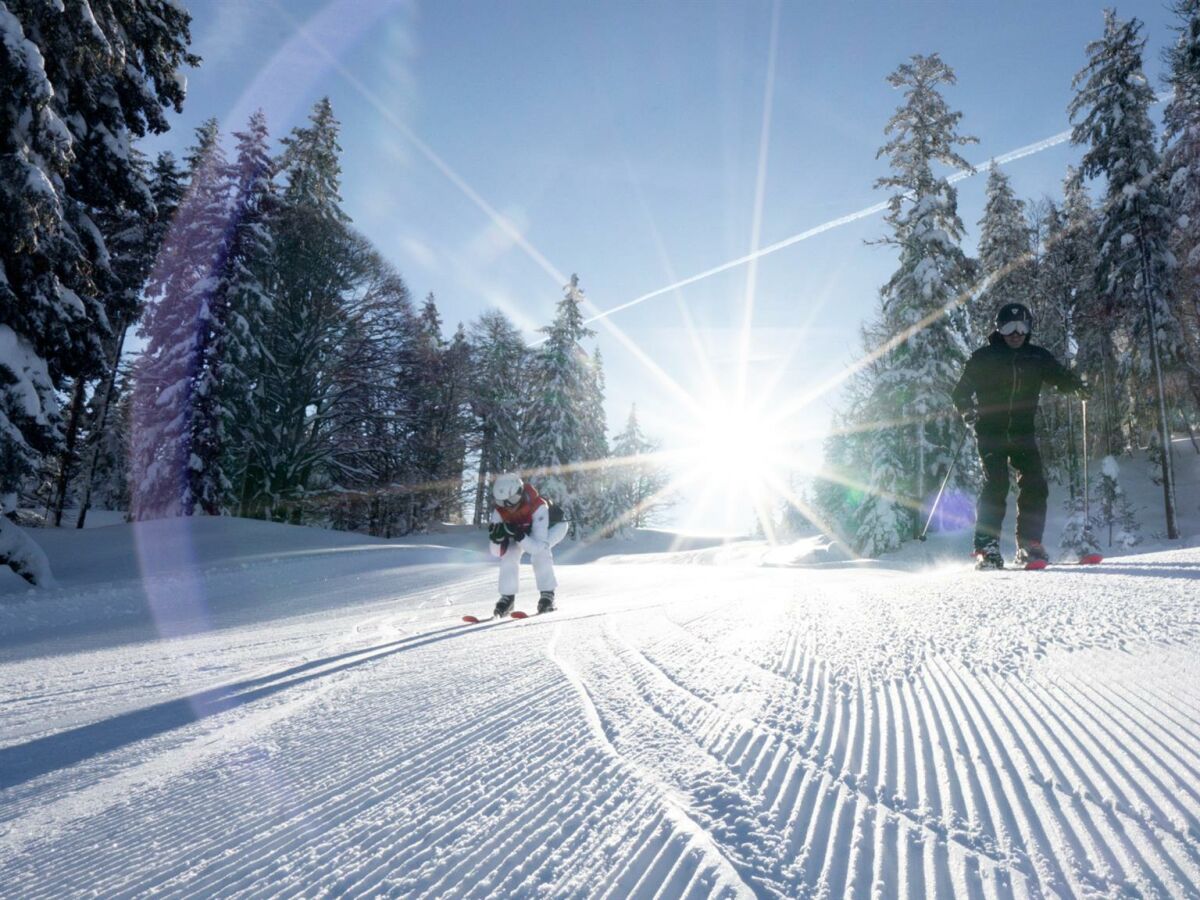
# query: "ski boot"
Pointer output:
{"type": "Point", "coordinates": [987, 556]}
{"type": "Point", "coordinates": [504, 605]}
{"type": "Point", "coordinates": [1031, 555]}
{"type": "Point", "coordinates": [546, 602]}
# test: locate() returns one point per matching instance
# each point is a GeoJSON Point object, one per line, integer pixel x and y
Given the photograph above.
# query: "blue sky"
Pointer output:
{"type": "Point", "coordinates": [623, 141]}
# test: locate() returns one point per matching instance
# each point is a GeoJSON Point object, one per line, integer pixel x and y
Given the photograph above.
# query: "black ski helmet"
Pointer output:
{"type": "Point", "coordinates": [1014, 312]}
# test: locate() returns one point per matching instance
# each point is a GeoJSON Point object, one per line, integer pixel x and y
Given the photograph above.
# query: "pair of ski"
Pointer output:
{"type": "Point", "coordinates": [1037, 565]}
{"type": "Point", "coordinates": [515, 614]}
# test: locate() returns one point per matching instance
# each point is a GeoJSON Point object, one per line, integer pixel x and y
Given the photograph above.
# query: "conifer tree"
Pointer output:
{"type": "Point", "coordinates": [1111, 113]}
{"type": "Point", "coordinates": [77, 82]}
{"type": "Point", "coordinates": [597, 481]}
{"type": "Point", "coordinates": [555, 438]}
{"type": "Point", "coordinates": [241, 303]}
{"type": "Point", "coordinates": [437, 383]}
{"type": "Point", "coordinates": [178, 419]}
{"type": "Point", "coordinates": [1004, 254]}
{"type": "Point", "coordinates": [1181, 173]}
{"type": "Point", "coordinates": [1116, 509]}
{"type": "Point", "coordinates": [498, 391]}
{"type": "Point", "coordinates": [922, 331]}
{"type": "Point", "coordinates": [426, 378]}
{"type": "Point", "coordinates": [1081, 530]}
{"type": "Point", "coordinates": [314, 266]}
{"type": "Point", "coordinates": [368, 430]}
{"type": "Point", "coordinates": [638, 480]}
{"type": "Point", "coordinates": [139, 243]}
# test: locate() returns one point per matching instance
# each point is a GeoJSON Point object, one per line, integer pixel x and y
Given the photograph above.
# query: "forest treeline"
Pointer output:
{"type": "Point", "coordinates": [284, 370]}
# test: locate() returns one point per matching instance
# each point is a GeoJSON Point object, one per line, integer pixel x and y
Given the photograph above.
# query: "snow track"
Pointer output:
{"type": "Point", "coordinates": [844, 733]}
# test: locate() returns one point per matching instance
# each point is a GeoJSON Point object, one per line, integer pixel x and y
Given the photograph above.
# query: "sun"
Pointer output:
{"type": "Point", "coordinates": [742, 454]}
{"type": "Point", "coordinates": [732, 438]}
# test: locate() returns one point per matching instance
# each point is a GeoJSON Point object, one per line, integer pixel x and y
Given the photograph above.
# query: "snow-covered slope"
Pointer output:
{"type": "Point", "coordinates": [227, 708]}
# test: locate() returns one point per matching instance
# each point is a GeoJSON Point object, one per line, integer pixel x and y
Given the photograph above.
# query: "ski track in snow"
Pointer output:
{"type": "Point", "coordinates": [671, 731]}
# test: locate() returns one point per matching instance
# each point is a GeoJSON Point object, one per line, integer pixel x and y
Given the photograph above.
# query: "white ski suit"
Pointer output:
{"type": "Point", "coordinates": [538, 542]}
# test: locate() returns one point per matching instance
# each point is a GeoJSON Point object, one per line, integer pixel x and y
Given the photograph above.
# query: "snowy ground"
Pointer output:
{"type": "Point", "coordinates": [232, 708]}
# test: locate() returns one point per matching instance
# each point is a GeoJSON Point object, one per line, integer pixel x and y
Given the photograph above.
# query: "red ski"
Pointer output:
{"type": "Point", "coordinates": [475, 620]}
{"type": "Point", "coordinates": [1090, 559]}
{"type": "Point", "coordinates": [1035, 565]}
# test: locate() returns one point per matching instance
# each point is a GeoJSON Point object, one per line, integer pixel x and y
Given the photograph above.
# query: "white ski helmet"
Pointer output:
{"type": "Point", "coordinates": [507, 489]}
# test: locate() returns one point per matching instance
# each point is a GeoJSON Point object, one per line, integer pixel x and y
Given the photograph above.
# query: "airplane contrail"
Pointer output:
{"type": "Point", "coordinates": [1028, 150]}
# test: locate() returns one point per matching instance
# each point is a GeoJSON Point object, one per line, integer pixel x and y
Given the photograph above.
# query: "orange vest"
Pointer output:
{"type": "Point", "coordinates": [522, 514]}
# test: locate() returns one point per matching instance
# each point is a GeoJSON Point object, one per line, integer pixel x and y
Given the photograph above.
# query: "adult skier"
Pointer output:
{"type": "Point", "coordinates": [522, 521]}
{"type": "Point", "coordinates": [997, 395]}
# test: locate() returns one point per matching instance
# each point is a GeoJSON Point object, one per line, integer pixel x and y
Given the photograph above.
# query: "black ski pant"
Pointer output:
{"type": "Point", "coordinates": [995, 454]}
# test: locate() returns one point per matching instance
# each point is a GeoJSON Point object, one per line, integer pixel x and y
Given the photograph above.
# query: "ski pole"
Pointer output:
{"type": "Point", "coordinates": [949, 469]}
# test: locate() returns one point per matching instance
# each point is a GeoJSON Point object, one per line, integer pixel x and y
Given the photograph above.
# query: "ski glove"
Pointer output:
{"type": "Point", "coordinates": [502, 531]}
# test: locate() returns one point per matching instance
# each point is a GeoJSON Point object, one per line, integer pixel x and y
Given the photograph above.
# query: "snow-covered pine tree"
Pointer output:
{"type": "Point", "coordinates": [1116, 509]}
{"type": "Point", "coordinates": [293, 450]}
{"type": "Point", "coordinates": [883, 519]}
{"type": "Point", "coordinates": [498, 392]}
{"type": "Point", "coordinates": [76, 83]}
{"type": "Point", "coordinates": [1071, 262]}
{"type": "Point", "coordinates": [1081, 530]}
{"type": "Point", "coordinates": [1181, 172]}
{"type": "Point", "coordinates": [437, 394]}
{"type": "Point", "coordinates": [242, 305]}
{"type": "Point", "coordinates": [1004, 255]}
{"type": "Point", "coordinates": [136, 244]}
{"type": "Point", "coordinates": [922, 332]}
{"type": "Point", "coordinates": [554, 438]}
{"type": "Point", "coordinates": [1052, 308]}
{"type": "Point", "coordinates": [834, 499]}
{"type": "Point", "coordinates": [424, 462]}
{"type": "Point", "coordinates": [124, 230]}
{"type": "Point", "coordinates": [1111, 112]}
{"type": "Point", "coordinates": [398, 332]}
{"type": "Point", "coordinates": [368, 432]}
{"type": "Point", "coordinates": [602, 509]}
{"type": "Point", "coordinates": [639, 481]}
{"type": "Point", "coordinates": [455, 424]}
{"type": "Point", "coordinates": [840, 487]}
{"type": "Point", "coordinates": [178, 417]}
{"type": "Point", "coordinates": [85, 47]}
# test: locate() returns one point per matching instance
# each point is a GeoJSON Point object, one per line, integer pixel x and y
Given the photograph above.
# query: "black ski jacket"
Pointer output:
{"type": "Point", "coordinates": [1003, 385]}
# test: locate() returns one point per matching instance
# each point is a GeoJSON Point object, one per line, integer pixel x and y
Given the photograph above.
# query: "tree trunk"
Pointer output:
{"type": "Point", "coordinates": [920, 434]}
{"type": "Point", "coordinates": [1107, 398]}
{"type": "Point", "coordinates": [101, 422]}
{"type": "Point", "coordinates": [485, 454]}
{"type": "Point", "coordinates": [1164, 425]}
{"type": "Point", "coordinates": [1072, 459]}
{"type": "Point", "coordinates": [66, 459]}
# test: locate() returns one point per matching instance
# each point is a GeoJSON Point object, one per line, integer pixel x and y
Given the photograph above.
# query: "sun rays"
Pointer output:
{"type": "Point", "coordinates": [740, 439]}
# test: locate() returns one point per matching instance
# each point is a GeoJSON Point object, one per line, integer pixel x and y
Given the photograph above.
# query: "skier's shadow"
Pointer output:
{"type": "Point", "coordinates": [23, 762]}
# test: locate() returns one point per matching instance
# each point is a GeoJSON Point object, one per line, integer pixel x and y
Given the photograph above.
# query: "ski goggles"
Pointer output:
{"type": "Point", "coordinates": [1016, 326]}
{"type": "Point", "coordinates": [511, 502]}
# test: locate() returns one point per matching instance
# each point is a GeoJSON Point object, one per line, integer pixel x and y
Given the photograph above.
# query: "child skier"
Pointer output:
{"type": "Point", "coordinates": [522, 521]}
{"type": "Point", "coordinates": [998, 396]}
